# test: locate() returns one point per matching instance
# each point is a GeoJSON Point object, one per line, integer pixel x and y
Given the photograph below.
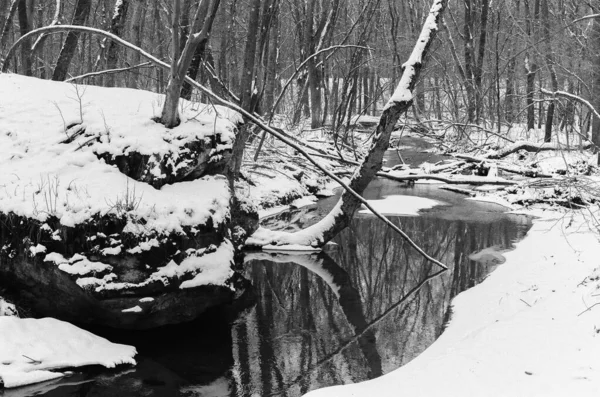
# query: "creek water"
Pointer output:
{"type": "Point", "coordinates": [360, 309]}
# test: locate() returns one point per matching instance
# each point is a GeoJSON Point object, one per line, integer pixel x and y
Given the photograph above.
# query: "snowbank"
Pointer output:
{"type": "Point", "coordinates": [530, 329]}
{"type": "Point", "coordinates": [42, 176]}
{"type": "Point", "coordinates": [32, 350]}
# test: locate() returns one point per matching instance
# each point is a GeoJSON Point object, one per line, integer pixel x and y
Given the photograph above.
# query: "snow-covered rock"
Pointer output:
{"type": "Point", "coordinates": [35, 350]}
{"type": "Point", "coordinates": [97, 200]}
{"type": "Point", "coordinates": [7, 309]}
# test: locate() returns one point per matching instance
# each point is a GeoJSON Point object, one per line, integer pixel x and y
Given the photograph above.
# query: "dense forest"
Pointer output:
{"type": "Point", "coordinates": [496, 64]}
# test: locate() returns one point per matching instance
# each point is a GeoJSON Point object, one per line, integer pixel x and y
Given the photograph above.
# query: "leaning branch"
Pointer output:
{"type": "Point", "coordinates": [108, 71]}
{"type": "Point", "coordinates": [573, 97]}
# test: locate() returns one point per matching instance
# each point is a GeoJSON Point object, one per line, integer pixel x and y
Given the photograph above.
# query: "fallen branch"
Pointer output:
{"type": "Point", "coordinates": [108, 71]}
{"type": "Point", "coordinates": [531, 147]}
{"type": "Point", "coordinates": [462, 125]}
{"type": "Point", "coordinates": [504, 167]}
{"type": "Point", "coordinates": [460, 190]}
{"type": "Point", "coordinates": [449, 179]}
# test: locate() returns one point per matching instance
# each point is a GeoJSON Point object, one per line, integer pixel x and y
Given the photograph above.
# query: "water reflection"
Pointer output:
{"type": "Point", "coordinates": [366, 281]}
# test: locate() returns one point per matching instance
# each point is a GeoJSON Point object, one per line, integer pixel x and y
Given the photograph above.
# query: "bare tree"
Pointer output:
{"type": "Point", "coordinates": [82, 12]}
{"type": "Point", "coordinates": [181, 60]}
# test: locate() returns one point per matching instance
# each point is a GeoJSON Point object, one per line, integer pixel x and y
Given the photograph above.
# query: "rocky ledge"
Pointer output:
{"type": "Point", "coordinates": [108, 217]}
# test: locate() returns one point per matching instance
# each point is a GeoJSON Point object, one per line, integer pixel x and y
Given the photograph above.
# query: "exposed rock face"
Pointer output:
{"type": "Point", "coordinates": [190, 160]}
{"type": "Point", "coordinates": [97, 273]}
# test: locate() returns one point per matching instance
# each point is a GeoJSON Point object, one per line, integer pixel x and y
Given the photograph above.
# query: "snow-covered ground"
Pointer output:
{"type": "Point", "coordinates": [531, 329]}
{"type": "Point", "coordinates": [42, 176]}
{"type": "Point", "coordinates": [35, 350]}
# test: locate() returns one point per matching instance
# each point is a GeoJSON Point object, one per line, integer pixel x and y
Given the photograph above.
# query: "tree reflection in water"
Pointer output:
{"type": "Point", "coordinates": [311, 307]}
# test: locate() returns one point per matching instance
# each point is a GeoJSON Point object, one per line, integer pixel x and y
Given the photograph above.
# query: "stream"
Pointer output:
{"type": "Point", "coordinates": [357, 310]}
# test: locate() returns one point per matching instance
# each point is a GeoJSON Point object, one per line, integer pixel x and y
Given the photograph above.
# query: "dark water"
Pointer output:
{"type": "Point", "coordinates": [358, 310]}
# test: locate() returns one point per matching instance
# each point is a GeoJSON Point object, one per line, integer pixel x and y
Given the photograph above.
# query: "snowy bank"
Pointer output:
{"type": "Point", "coordinates": [100, 205]}
{"type": "Point", "coordinates": [34, 350]}
{"type": "Point", "coordinates": [530, 329]}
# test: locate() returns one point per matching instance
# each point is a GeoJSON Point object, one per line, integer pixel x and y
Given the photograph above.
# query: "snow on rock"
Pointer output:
{"type": "Point", "coordinates": [42, 177]}
{"type": "Point", "coordinates": [32, 350]}
{"type": "Point", "coordinates": [401, 205]}
{"type": "Point", "coordinates": [38, 249]}
{"type": "Point", "coordinates": [530, 329]}
{"type": "Point", "coordinates": [7, 309]}
{"type": "Point", "coordinates": [111, 199]}
{"type": "Point", "coordinates": [77, 265]}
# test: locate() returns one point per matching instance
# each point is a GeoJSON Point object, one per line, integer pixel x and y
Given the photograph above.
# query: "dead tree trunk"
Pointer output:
{"type": "Point", "coordinates": [82, 11]}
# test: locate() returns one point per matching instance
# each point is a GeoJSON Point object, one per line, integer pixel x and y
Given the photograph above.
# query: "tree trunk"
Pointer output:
{"type": "Point", "coordinates": [116, 27]}
{"type": "Point", "coordinates": [478, 72]}
{"type": "Point", "coordinates": [550, 64]}
{"type": "Point", "coordinates": [25, 22]}
{"type": "Point", "coordinates": [12, 10]}
{"type": "Point", "coordinates": [470, 65]}
{"type": "Point", "coordinates": [596, 87]}
{"type": "Point", "coordinates": [82, 11]}
{"type": "Point", "coordinates": [247, 76]}
{"type": "Point", "coordinates": [199, 33]}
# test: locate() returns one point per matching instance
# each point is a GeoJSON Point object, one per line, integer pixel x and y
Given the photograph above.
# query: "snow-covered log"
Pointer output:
{"type": "Point", "coordinates": [448, 178]}
{"type": "Point", "coordinates": [529, 172]}
{"type": "Point", "coordinates": [531, 147]}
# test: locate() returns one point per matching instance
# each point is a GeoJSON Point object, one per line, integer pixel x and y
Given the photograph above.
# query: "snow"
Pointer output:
{"type": "Point", "coordinates": [77, 265]}
{"type": "Point", "coordinates": [208, 268]}
{"type": "Point", "coordinates": [401, 205]}
{"type": "Point", "coordinates": [148, 299]}
{"type": "Point", "coordinates": [38, 249]}
{"type": "Point", "coordinates": [7, 309]}
{"type": "Point", "coordinates": [43, 177]}
{"type": "Point", "coordinates": [32, 350]}
{"type": "Point", "coordinates": [135, 309]}
{"type": "Point", "coordinates": [530, 329]}
{"type": "Point", "coordinates": [304, 202]}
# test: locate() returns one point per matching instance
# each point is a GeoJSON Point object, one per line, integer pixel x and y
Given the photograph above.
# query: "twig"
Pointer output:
{"type": "Point", "coordinates": [588, 309]}
{"type": "Point", "coordinates": [525, 302]}
{"type": "Point", "coordinates": [35, 362]}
